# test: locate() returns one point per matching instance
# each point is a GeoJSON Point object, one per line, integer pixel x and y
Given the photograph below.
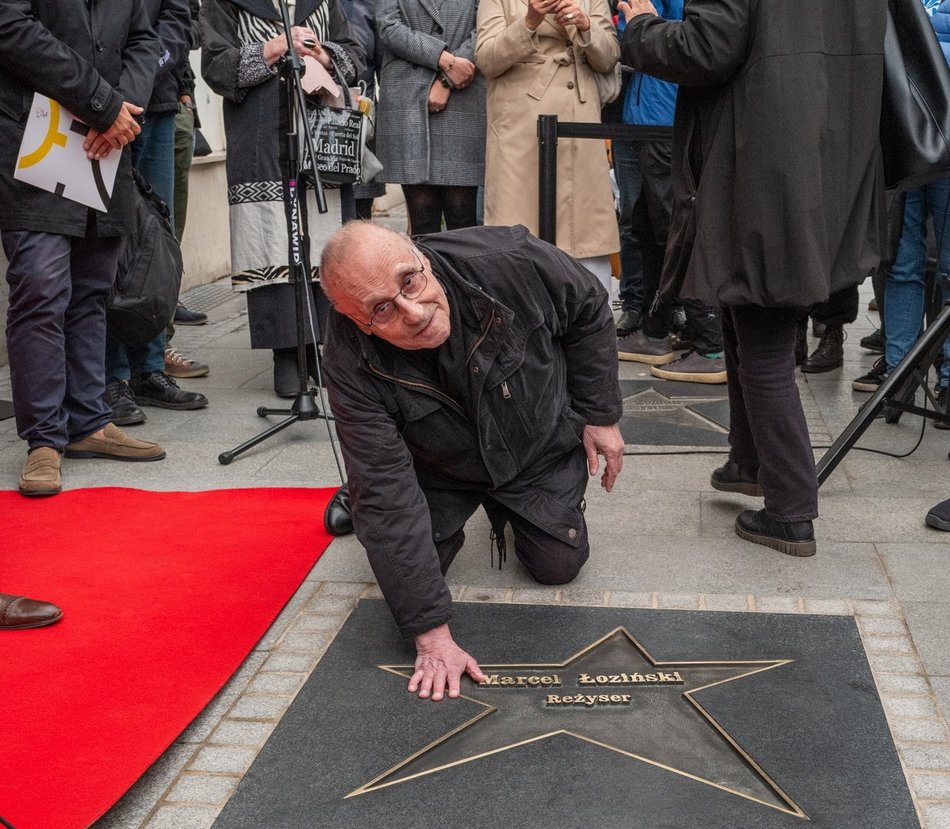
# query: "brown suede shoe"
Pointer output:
{"type": "Point", "coordinates": [116, 445]}
{"type": "Point", "coordinates": [18, 612]}
{"type": "Point", "coordinates": [41, 475]}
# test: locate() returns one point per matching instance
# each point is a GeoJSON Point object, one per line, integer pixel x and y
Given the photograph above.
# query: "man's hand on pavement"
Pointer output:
{"type": "Point", "coordinates": [440, 663]}
{"type": "Point", "coordinates": [606, 441]}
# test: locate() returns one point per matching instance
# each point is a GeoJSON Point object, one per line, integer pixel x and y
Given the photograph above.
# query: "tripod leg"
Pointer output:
{"type": "Point", "coordinates": [226, 457]}
{"type": "Point", "coordinates": [919, 356]}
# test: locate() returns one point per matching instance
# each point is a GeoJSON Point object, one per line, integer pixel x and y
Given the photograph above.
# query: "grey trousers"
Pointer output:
{"type": "Point", "coordinates": [56, 333]}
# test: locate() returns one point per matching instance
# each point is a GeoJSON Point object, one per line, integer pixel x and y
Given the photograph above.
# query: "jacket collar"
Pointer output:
{"type": "Point", "coordinates": [265, 9]}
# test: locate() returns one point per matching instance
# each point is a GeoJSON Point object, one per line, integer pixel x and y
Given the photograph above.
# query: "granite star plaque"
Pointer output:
{"type": "Point", "coordinates": [590, 718]}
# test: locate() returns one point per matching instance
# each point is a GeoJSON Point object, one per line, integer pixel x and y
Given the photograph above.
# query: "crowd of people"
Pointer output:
{"type": "Point", "coordinates": [479, 366]}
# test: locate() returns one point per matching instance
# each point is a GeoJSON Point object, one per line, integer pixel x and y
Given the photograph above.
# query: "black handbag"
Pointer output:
{"type": "Point", "coordinates": [145, 292]}
{"type": "Point", "coordinates": [915, 109]}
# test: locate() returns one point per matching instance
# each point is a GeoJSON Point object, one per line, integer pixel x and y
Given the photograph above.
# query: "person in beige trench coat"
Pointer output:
{"type": "Point", "coordinates": [548, 71]}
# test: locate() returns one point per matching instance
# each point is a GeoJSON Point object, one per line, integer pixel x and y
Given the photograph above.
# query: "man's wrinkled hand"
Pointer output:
{"type": "Point", "coordinates": [606, 441]}
{"type": "Point", "coordinates": [440, 663]}
{"type": "Point", "coordinates": [123, 131]}
{"type": "Point", "coordinates": [634, 7]}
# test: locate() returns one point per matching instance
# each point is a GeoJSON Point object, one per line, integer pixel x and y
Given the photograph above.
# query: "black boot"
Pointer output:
{"type": "Point", "coordinates": [733, 478]}
{"type": "Point", "coordinates": [794, 538]}
{"type": "Point", "coordinates": [337, 518]}
{"type": "Point", "coordinates": [830, 352]}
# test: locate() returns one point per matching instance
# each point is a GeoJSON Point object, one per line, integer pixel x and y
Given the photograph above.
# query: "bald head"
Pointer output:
{"type": "Point", "coordinates": [355, 251]}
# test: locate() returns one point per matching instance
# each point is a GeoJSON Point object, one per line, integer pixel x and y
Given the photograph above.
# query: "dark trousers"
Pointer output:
{"type": "Point", "coordinates": [548, 559]}
{"type": "Point", "coordinates": [767, 429]}
{"type": "Point", "coordinates": [841, 308]}
{"type": "Point", "coordinates": [627, 173]}
{"type": "Point", "coordinates": [56, 333]}
{"type": "Point", "coordinates": [651, 221]}
{"type": "Point", "coordinates": [553, 549]}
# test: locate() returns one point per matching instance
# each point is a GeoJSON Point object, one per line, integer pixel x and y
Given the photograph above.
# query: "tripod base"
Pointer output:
{"type": "Point", "coordinates": [304, 407]}
{"type": "Point", "coordinates": [895, 394]}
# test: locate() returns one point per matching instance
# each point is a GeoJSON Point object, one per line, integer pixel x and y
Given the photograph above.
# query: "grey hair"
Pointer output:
{"type": "Point", "coordinates": [347, 253]}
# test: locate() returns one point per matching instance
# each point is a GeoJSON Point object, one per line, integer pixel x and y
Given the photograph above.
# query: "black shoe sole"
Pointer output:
{"type": "Point", "coordinates": [807, 369]}
{"type": "Point", "coordinates": [164, 404]}
{"type": "Point", "coordinates": [129, 420]}
{"type": "Point", "coordinates": [937, 523]}
{"type": "Point", "coordinates": [800, 549]}
{"type": "Point", "coordinates": [742, 487]}
{"type": "Point", "coordinates": [196, 322]}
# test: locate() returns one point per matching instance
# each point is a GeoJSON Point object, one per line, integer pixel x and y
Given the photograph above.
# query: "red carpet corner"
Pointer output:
{"type": "Point", "coordinates": [163, 594]}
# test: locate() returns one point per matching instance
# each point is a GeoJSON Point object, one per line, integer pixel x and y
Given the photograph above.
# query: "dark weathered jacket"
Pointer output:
{"type": "Point", "coordinates": [536, 361]}
{"type": "Point", "coordinates": [171, 20]}
{"type": "Point", "coordinates": [777, 175]}
{"type": "Point", "coordinates": [89, 57]}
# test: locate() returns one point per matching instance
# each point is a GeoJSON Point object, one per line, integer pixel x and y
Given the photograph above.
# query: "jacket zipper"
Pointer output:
{"type": "Point", "coordinates": [420, 386]}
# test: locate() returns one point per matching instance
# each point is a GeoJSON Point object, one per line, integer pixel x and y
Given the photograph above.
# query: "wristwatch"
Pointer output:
{"type": "Point", "coordinates": [444, 80]}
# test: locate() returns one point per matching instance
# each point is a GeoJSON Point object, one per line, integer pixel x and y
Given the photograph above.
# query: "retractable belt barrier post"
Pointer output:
{"type": "Point", "coordinates": [549, 130]}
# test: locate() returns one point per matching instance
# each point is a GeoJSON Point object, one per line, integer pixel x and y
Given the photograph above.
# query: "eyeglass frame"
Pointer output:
{"type": "Point", "coordinates": [401, 293]}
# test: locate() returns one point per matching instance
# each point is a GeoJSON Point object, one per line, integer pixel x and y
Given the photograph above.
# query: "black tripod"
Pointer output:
{"type": "Point", "coordinates": [895, 393]}
{"type": "Point", "coordinates": [304, 406]}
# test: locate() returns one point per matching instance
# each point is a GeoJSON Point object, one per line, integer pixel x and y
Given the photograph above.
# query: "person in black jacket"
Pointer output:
{"type": "Point", "coordinates": [778, 202]}
{"type": "Point", "coordinates": [476, 366]}
{"type": "Point", "coordinates": [97, 59]}
{"type": "Point", "coordinates": [136, 375]}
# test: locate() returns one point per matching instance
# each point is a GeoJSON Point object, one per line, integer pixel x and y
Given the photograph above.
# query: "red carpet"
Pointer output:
{"type": "Point", "coordinates": [163, 595]}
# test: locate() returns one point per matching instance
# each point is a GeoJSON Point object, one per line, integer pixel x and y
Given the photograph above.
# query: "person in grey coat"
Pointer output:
{"type": "Point", "coordinates": [472, 367]}
{"type": "Point", "coordinates": [430, 130]}
{"type": "Point", "coordinates": [778, 202]}
{"type": "Point", "coordinates": [97, 59]}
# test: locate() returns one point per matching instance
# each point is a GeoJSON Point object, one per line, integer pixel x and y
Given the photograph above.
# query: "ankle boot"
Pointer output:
{"type": "Point", "coordinates": [830, 352]}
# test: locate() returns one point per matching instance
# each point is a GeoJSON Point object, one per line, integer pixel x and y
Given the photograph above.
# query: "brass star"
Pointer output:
{"type": "Point", "coordinates": [612, 694]}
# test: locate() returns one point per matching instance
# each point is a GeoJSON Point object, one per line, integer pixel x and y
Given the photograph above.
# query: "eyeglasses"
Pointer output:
{"type": "Point", "coordinates": [413, 284]}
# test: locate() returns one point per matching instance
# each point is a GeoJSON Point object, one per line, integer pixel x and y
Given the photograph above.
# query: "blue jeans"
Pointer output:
{"type": "Point", "coordinates": [153, 155]}
{"type": "Point", "coordinates": [905, 288]}
{"type": "Point", "coordinates": [627, 173]}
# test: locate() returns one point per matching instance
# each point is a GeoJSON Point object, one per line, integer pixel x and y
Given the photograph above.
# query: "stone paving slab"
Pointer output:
{"type": "Point", "coordinates": [182, 786]}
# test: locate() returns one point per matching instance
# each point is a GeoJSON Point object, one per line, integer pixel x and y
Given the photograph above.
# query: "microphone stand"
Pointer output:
{"type": "Point", "coordinates": [304, 407]}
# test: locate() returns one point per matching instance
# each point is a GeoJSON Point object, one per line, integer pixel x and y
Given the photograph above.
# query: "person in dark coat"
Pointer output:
{"type": "Point", "coordinates": [476, 366]}
{"type": "Point", "coordinates": [242, 41]}
{"type": "Point", "coordinates": [778, 202]}
{"type": "Point", "coordinates": [97, 59]}
{"type": "Point", "coordinates": [135, 375]}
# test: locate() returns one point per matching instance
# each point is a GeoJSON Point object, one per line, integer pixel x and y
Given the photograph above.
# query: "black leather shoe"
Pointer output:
{"type": "Point", "coordinates": [336, 517]}
{"type": "Point", "coordinates": [159, 390]}
{"type": "Point", "coordinates": [733, 478]}
{"type": "Point", "coordinates": [830, 352]}
{"type": "Point", "coordinates": [120, 399]}
{"type": "Point", "coordinates": [628, 323]}
{"type": "Point", "coordinates": [794, 538]}
{"type": "Point", "coordinates": [185, 316]}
